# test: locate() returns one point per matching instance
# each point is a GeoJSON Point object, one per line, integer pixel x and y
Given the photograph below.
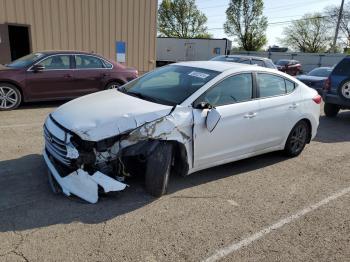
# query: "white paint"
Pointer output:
{"type": "Point", "coordinates": [108, 184]}
{"type": "Point", "coordinates": [221, 253]}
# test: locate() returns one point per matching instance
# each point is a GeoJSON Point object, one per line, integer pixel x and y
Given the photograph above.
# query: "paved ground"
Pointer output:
{"type": "Point", "coordinates": [268, 208]}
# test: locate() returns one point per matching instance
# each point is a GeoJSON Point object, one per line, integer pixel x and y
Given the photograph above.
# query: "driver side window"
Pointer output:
{"type": "Point", "coordinates": [234, 89]}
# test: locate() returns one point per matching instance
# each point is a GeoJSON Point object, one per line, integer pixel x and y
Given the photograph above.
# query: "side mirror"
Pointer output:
{"type": "Point", "coordinates": [212, 119]}
{"type": "Point", "coordinates": [38, 68]}
{"type": "Point", "coordinates": [204, 105]}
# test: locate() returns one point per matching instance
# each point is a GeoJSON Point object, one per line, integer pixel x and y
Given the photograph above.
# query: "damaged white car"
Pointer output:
{"type": "Point", "coordinates": [179, 119]}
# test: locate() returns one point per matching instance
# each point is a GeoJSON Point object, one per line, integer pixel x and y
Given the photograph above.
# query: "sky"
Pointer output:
{"type": "Point", "coordinates": [275, 10]}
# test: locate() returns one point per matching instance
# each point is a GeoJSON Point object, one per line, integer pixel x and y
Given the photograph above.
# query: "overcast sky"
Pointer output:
{"type": "Point", "coordinates": [275, 10]}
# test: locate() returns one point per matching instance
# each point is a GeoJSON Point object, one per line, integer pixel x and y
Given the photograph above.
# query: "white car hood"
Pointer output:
{"type": "Point", "coordinates": [108, 113]}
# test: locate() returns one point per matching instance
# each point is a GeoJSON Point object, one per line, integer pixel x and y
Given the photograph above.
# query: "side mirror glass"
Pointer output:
{"type": "Point", "coordinates": [38, 68]}
{"type": "Point", "coordinates": [212, 119]}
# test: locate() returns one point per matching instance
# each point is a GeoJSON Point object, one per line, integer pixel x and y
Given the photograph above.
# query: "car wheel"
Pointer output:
{"type": "Point", "coordinates": [113, 85]}
{"type": "Point", "coordinates": [10, 97]}
{"type": "Point", "coordinates": [344, 90]}
{"type": "Point", "coordinates": [158, 169]}
{"type": "Point", "coordinates": [331, 110]}
{"type": "Point", "coordinates": [55, 187]}
{"type": "Point", "coordinates": [297, 139]}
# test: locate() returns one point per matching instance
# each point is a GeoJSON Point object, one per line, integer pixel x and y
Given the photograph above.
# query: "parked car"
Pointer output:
{"type": "Point", "coordinates": [316, 78]}
{"type": "Point", "coordinates": [58, 75]}
{"type": "Point", "coordinates": [250, 60]}
{"type": "Point", "coordinates": [336, 93]}
{"type": "Point", "coordinates": [180, 118]}
{"type": "Point", "coordinates": [291, 67]}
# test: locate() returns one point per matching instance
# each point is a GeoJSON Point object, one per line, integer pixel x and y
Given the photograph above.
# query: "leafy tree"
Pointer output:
{"type": "Point", "coordinates": [181, 18]}
{"type": "Point", "coordinates": [332, 13]}
{"type": "Point", "coordinates": [245, 21]}
{"type": "Point", "coordinates": [309, 34]}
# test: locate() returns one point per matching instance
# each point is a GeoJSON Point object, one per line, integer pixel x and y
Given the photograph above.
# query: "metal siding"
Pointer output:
{"type": "Point", "coordinates": [89, 25]}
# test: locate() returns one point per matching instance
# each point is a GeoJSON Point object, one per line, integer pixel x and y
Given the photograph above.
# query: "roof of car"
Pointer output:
{"type": "Point", "coordinates": [247, 56]}
{"type": "Point", "coordinates": [220, 66]}
{"type": "Point", "coordinates": [53, 52]}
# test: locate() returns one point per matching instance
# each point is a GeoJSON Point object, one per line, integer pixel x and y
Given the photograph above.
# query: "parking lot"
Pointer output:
{"type": "Point", "coordinates": [267, 208]}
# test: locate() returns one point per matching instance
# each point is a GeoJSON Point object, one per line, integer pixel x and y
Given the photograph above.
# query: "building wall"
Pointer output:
{"type": "Point", "coordinates": [89, 25]}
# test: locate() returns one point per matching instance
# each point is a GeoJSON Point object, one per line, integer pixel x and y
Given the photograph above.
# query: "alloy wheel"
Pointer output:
{"type": "Point", "coordinates": [298, 138]}
{"type": "Point", "coordinates": [8, 97]}
{"type": "Point", "coordinates": [345, 90]}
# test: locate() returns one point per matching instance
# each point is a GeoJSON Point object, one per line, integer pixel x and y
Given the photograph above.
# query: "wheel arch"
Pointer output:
{"type": "Point", "coordinates": [18, 86]}
{"type": "Point", "coordinates": [119, 81]}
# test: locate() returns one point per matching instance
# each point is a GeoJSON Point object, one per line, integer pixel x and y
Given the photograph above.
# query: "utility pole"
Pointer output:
{"type": "Point", "coordinates": [338, 24]}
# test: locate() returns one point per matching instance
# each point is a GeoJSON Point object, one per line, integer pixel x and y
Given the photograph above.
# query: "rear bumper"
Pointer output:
{"type": "Point", "coordinates": [336, 100]}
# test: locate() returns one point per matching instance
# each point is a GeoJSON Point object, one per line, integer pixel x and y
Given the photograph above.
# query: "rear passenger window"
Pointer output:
{"type": "Point", "coordinates": [290, 86]}
{"type": "Point", "coordinates": [271, 85]}
{"type": "Point", "coordinates": [88, 62]}
{"type": "Point", "coordinates": [343, 68]}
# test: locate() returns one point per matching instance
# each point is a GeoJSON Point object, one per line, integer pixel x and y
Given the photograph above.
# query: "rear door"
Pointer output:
{"type": "Point", "coordinates": [278, 109]}
{"type": "Point", "coordinates": [91, 74]}
{"type": "Point", "coordinates": [54, 82]}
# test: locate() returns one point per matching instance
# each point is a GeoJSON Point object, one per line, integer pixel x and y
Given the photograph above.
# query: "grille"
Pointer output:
{"type": "Point", "coordinates": [56, 147]}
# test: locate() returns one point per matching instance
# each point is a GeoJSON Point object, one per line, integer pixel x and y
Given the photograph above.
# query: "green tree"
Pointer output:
{"type": "Point", "coordinates": [245, 22]}
{"type": "Point", "coordinates": [181, 18]}
{"type": "Point", "coordinates": [310, 34]}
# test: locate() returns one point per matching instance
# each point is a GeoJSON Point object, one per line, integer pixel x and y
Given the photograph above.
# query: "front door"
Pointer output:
{"type": "Point", "coordinates": [235, 134]}
{"type": "Point", "coordinates": [54, 82]}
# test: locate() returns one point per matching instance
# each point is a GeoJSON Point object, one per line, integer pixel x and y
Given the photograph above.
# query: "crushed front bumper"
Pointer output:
{"type": "Point", "coordinates": [82, 184]}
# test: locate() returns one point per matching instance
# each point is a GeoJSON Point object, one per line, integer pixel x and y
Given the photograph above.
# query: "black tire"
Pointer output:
{"type": "Point", "coordinates": [331, 110]}
{"type": "Point", "coordinates": [158, 169]}
{"type": "Point", "coordinates": [10, 97]}
{"type": "Point", "coordinates": [297, 139]}
{"type": "Point", "coordinates": [55, 187]}
{"type": "Point", "coordinates": [112, 85]}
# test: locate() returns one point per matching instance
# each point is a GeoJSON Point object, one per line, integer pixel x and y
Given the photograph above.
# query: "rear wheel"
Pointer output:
{"type": "Point", "coordinates": [158, 169]}
{"type": "Point", "coordinates": [297, 139]}
{"type": "Point", "coordinates": [331, 110]}
{"type": "Point", "coordinates": [344, 90]}
{"type": "Point", "coordinates": [113, 85]}
{"type": "Point", "coordinates": [10, 97]}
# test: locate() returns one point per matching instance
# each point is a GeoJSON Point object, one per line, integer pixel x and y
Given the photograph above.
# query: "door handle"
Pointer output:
{"type": "Point", "coordinates": [293, 106]}
{"type": "Point", "coordinates": [250, 115]}
{"type": "Point", "coordinates": [105, 75]}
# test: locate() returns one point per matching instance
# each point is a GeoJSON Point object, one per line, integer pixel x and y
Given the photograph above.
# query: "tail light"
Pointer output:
{"type": "Point", "coordinates": [327, 84]}
{"type": "Point", "coordinates": [317, 99]}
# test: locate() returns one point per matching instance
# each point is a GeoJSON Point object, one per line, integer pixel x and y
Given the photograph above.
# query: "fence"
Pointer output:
{"type": "Point", "coordinates": [309, 61]}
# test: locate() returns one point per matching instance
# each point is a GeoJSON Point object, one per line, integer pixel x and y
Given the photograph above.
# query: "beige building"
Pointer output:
{"type": "Point", "coordinates": [106, 27]}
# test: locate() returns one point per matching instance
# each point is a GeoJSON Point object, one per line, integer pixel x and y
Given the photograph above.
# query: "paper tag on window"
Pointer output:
{"type": "Point", "coordinates": [198, 74]}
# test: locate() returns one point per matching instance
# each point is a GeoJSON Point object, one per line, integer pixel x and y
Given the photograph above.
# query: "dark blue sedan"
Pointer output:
{"type": "Point", "coordinates": [316, 78]}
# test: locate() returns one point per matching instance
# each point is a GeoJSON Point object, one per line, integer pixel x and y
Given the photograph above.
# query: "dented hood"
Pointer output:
{"type": "Point", "coordinates": [108, 113]}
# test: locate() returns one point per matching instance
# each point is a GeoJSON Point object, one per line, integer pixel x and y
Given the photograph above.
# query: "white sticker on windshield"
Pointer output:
{"type": "Point", "coordinates": [198, 74]}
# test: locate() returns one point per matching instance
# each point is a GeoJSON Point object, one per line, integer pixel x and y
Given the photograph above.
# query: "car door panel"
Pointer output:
{"type": "Point", "coordinates": [54, 82]}
{"type": "Point", "coordinates": [233, 136]}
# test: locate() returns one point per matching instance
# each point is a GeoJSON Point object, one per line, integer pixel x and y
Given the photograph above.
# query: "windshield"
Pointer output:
{"type": "Point", "coordinates": [227, 58]}
{"type": "Point", "coordinates": [169, 85]}
{"type": "Point", "coordinates": [25, 60]}
{"type": "Point", "coordinates": [322, 72]}
{"type": "Point", "coordinates": [282, 62]}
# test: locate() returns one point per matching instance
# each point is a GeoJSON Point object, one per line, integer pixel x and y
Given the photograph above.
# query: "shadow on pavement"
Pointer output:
{"type": "Point", "coordinates": [27, 203]}
{"type": "Point", "coordinates": [334, 130]}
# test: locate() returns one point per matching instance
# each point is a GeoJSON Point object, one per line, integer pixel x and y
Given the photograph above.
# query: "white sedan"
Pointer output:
{"type": "Point", "coordinates": [181, 118]}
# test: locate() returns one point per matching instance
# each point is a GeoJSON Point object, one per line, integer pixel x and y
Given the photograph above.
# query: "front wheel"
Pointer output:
{"type": "Point", "coordinates": [331, 110]}
{"type": "Point", "coordinates": [158, 169]}
{"type": "Point", "coordinates": [297, 139]}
